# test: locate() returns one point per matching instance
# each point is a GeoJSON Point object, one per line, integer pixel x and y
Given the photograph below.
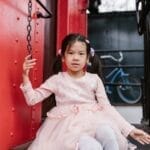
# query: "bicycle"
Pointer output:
{"type": "Point", "coordinates": [126, 86]}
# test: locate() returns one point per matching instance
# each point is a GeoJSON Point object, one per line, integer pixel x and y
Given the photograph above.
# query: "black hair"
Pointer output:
{"type": "Point", "coordinates": [67, 42]}
{"type": "Point", "coordinates": [71, 39]}
{"type": "Point", "coordinates": [95, 66]}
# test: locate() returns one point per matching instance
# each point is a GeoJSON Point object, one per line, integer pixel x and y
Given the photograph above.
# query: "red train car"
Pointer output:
{"type": "Point", "coordinates": [19, 122]}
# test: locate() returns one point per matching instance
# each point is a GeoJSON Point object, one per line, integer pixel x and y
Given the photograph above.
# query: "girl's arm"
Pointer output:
{"type": "Point", "coordinates": [33, 96]}
{"type": "Point", "coordinates": [125, 127]}
{"type": "Point", "coordinates": [110, 111]}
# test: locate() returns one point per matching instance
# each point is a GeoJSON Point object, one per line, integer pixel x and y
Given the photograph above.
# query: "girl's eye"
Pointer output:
{"type": "Point", "coordinates": [70, 52]}
{"type": "Point", "coordinates": [82, 53]}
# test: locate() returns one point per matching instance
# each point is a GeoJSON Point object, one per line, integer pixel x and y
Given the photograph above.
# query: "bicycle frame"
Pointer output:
{"type": "Point", "coordinates": [112, 76]}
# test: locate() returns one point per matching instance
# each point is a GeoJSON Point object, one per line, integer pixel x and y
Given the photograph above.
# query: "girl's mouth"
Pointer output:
{"type": "Point", "coordinates": [75, 64]}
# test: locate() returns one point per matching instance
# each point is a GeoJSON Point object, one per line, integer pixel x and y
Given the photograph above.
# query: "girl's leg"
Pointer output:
{"type": "Point", "coordinates": [89, 143]}
{"type": "Point", "coordinates": [106, 136]}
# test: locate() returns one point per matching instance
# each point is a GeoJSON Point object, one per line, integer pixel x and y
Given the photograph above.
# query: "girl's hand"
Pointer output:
{"type": "Point", "coordinates": [140, 136]}
{"type": "Point", "coordinates": [28, 64]}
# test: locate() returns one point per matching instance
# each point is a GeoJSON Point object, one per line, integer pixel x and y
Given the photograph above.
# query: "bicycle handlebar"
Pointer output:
{"type": "Point", "coordinates": [112, 57]}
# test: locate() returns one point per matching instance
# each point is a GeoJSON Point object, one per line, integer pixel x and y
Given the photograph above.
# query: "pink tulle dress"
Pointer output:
{"type": "Point", "coordinates": [82, 107]}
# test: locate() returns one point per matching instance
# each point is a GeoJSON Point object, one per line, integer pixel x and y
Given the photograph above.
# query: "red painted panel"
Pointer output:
{"type": "Point", "coordinates": [71, 17]}
{"type": "Point", "coordinates": [18, 122]}
{"type": "Point", "coordinates": [62, 20]}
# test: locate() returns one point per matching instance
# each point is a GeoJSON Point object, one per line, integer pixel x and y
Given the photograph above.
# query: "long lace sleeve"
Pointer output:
{"type": "Point", "coordinates": [33, 96]}
{"type": "Point", "coordinates": [111, 112]}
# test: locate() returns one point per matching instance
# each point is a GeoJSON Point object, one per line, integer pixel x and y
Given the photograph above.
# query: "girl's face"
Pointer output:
{"type": "Point", "coordinates": [75, 57]}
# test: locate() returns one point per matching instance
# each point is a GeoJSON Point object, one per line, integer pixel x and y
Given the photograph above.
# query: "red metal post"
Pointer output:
{"type": "Point", "coordinates": [71, 17]}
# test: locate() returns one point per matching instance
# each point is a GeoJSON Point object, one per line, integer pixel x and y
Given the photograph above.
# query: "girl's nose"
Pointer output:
{"type": "Point", "coordinates": [76, 57]}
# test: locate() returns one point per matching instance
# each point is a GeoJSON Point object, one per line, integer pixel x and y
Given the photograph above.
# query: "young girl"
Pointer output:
{"type": "Point", "coordinates": [83, 118]}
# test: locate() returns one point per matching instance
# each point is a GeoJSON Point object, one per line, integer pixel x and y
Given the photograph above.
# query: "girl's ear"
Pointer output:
{"type": "Point", "coordinates": [87, 62]}
{"type": "Point", "coordinates": [88, 59]}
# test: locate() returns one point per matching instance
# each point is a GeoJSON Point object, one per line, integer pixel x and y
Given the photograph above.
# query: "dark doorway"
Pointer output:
{"type": "Point", "coordinates": [110, 34]}
{"type": "Point", "coordinates": [50, 51]}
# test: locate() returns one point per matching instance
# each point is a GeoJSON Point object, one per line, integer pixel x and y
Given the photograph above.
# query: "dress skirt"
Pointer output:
{"type": "Point", "coordinates": [66, 124]}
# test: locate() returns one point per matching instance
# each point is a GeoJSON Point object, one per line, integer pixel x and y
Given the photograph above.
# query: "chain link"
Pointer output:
{"type": "Point", "coordinates": [29, 28]}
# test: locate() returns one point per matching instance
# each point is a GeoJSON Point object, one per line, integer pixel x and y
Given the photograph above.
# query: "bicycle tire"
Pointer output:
{"type": "Point", "coordinates": [128, 93]}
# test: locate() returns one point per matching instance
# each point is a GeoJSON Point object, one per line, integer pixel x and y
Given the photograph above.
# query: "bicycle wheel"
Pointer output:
{"type": "Point", "coordinates": [130, 94]}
